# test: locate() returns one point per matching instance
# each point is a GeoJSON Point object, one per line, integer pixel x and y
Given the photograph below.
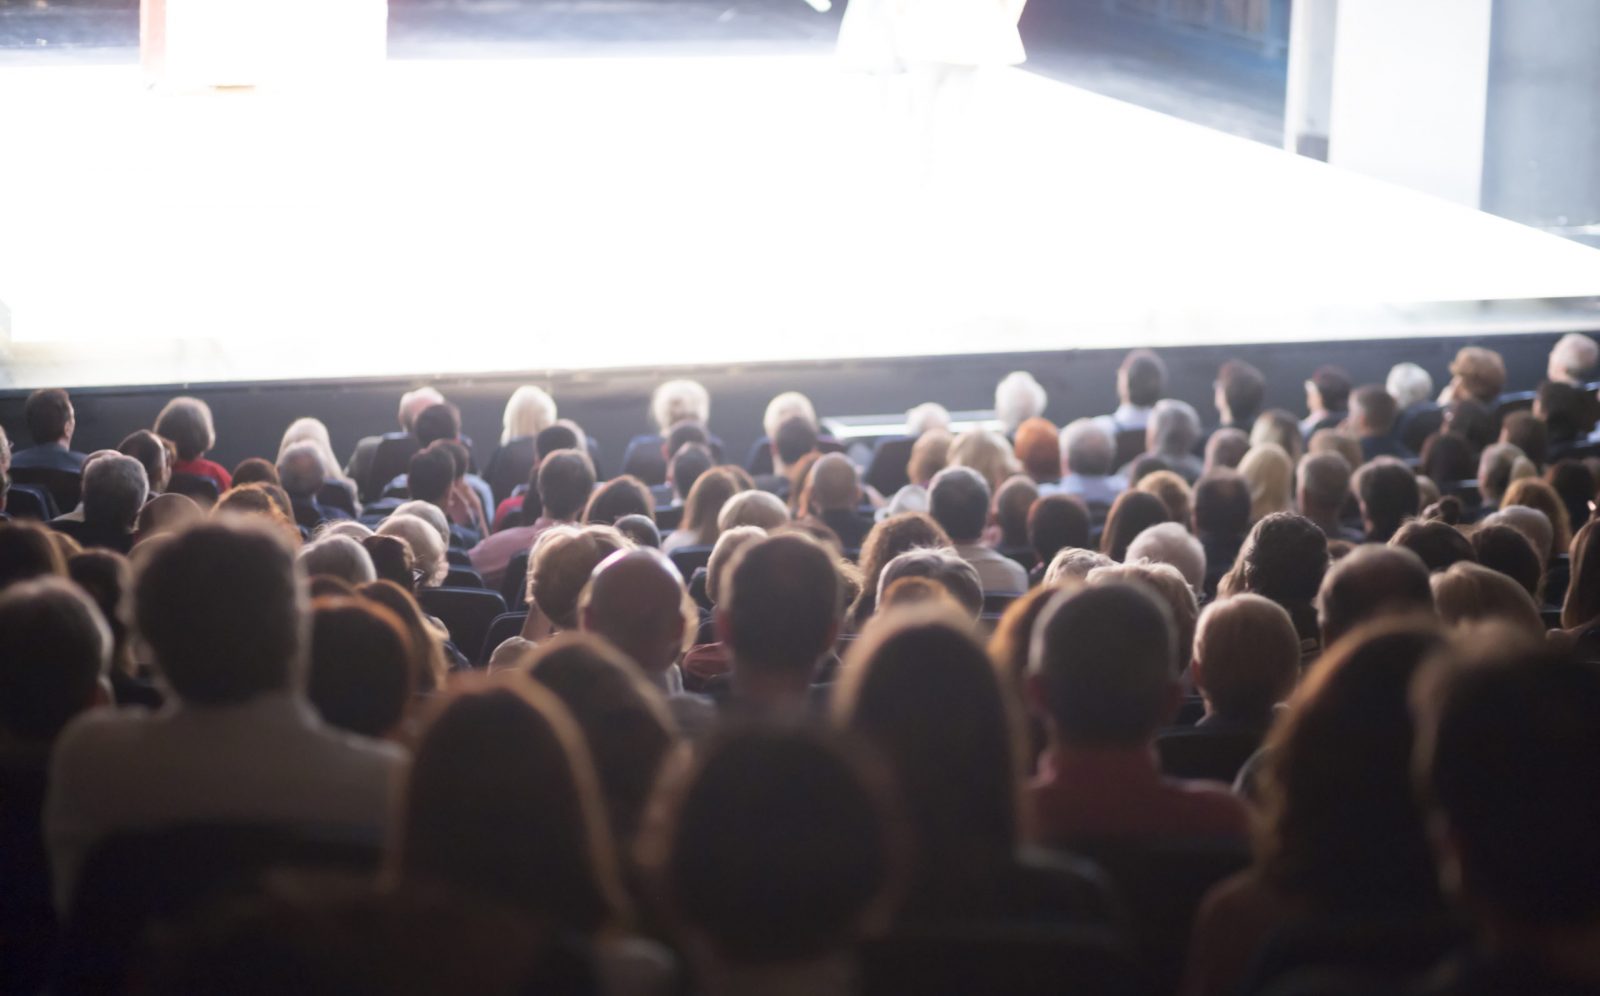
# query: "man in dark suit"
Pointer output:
{"type": "Point", "coordinates": [50, 461]}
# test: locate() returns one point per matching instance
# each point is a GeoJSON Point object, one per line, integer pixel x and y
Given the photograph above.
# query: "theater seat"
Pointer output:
{"type": "Point", "coordinates": [465, 612]}
{"type": "Point", "coordinates": [31, 501]}
{"type": "Point", "coordinates": [514, 583]}
{"type": "Point", "coordinates": [995, 603]}
{"type": "Point", "coordinates": [687, 559]}
{"type": "Point", "coordinates": [1198, 752]}
{"type": "Point", "coordinates": [462, 577]}
{"type": "Point", "coordinates": [502, 628]}
{"type": "Point", "coordinates": [202, 489]}
{"type": "Point", "coordinates": [1130, 443]}
{"type": "Point", "coordinates": [63, 485]}
{"type": "Point", "coordinates": [135, 881]}
{"type": "Point", "coordinates": [1383, 953]}
{"type": "Point", "coordinates": [970, 958]}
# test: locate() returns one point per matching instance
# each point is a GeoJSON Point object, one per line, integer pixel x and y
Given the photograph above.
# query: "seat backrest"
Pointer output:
{"type": "Point", "coordinates": [997, 957]}
{"type": "Point", "coordinates": [996, 602]}
{"type": "Point", "coordinates": [1199, 752]}
{"type": "Point", "coordinates": [465, 612]}
{"type": "Point", "coordinates": [64, 485]}
{"type": "Point", "coordinates": [391, 459]}
{"type": "Point", "coordinates": [1385, 951]}
{"type": "Point", "coordinates": [335, 494]}
{"type": "Point", "coordinates": [687, 559]}
{"type": "Point", "coordinates": [514, 583]}
{"type": "Point", "coordinates": [887, 471]}
{"type": "Point", "coordinates": [501, 628]}
{"type": "Point", "coordinates": [31, 501]}
{"type": "Point", "coordinates": [462, 577]}
{"type": "Point", "coordinates": [1130, 443]}
{"type": "Point", "coordinates": [202, 489]}
{"type": "Point", "coordinates": [134, 881]}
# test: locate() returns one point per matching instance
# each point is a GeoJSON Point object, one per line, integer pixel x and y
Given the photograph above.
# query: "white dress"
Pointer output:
{"type": "Point", "coordinates": [888, 35]}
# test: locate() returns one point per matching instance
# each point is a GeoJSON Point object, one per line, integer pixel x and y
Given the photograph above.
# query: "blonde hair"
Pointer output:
{"type": "Point", "coordinates": [752, 508]}
{"type": "Point", "coordinates": [1472, 593]}
{"type": "Point", "coordinates": [427, 550]}
{"type": "Point", "coordinates": [1269, 472]}
{"type": "Point", "coordinates": [529, 412]}
{"type": "Point", "coordinates": [985, 452]}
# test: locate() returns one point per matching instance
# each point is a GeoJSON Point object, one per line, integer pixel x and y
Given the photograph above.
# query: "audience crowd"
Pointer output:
{"type": "Point", "coordinates": [1294, 702]}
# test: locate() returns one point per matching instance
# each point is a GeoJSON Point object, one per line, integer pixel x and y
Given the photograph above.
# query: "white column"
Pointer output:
{"type": "Point", "coordinates": [1308, 105]}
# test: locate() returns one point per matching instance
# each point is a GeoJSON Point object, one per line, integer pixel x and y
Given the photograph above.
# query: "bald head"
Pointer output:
{"type": "Point", "coordinates": [834, 484]}
{"type": "Point", "coordinates": [635, 599]}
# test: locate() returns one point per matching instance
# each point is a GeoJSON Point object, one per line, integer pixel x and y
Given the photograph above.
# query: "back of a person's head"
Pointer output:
{"type": "Point", "coordinates": [785, 406]}
{"type": "Point", "coordinates": [958, 499]}
{"type": "Point", "coordinates": [1087, 448]}
{"type": "Point", "coordinates": [1471, 593]}
{"type": "Point", "coordinates": [1438, 544]}
{"type": "Point", "coordinates": [1531, 492]}
{"type": "Point", "coordinates": [1582, 604]}
{"type": "Point", "coordinates": [529, 411]}
{"type": "Point", "coordinates": [1103, 664]}
{"type": "Point", "coordinates": [753, 508]}
{"type": "Point", "coordinates": [362, 668]}
{"type": "Point", "coordinates": [835, 483]}
{"type": "Point", "coordinates": [187, 422]}
{"type": "Point", "coordinates": [1074, 563]}
{"type": "Point", "coordinates": [1038, 449]}
{"type": "Point", "coordinates": [1409, 384]}
{"type": "Point", "coordinates": [337, 556]}
{"type": "Point", "coordinates": [1498, 466]}
{"type": "Point", "coordinates": [148, 448]}
{"type": "Point", "coordinates": [635, 598]}
{"type": "Point", "coordinates": [1387, 490]}
{"type": "Point", "coordinates": [929, 455]}
{"type": "Point", "coordinates": [625, 495]}
{"type": "Point", "coordinates": [55, 649]}
{"type": "Point", "coordinates": [300, 470]}
{"type": "Point", "coordinates": [796, 436]}
{"type": "Point", "coordinates": [1503, 549]}
{"type": "Point", "coordinates": [437, 422]}
{"type": "Point", "coordinates": [1333, 387]}
{"type": "Point", "coordinates": [1172, 544]}
{"type": "Point", "coordinates": [428, 557]}
{"type": "Point", "coordinates": [1280, 428]}
{"type": "Point", "coordinates": [391, 559]}
{"type": "Point", "coordinates": [1131, 514]}
{"type": "Point", "coordinates": [1336, 441]}
{"type": "Point", "coordinates": [48, 412]}
{"type": "Point", "coordinates": [689, 462]}
{"type": "Point", "coordinates": [722, 556]}
{"type": "Point", "coordinates": [1533, 524]}
{"type": "Point", "coordinates": [1017, 398]}
{"type": "Point", "coordinates": [1508, 755]}
{"type": "Point", "coordinates": [1171, 488]}
{"type": "Point", "coordinates": [554, 439]}
{"type": "Point", "coordinates": [1174, 427]}
{"type": "Point", "coordinates": [1012, 502]}
{"type": "Point", "coordinates": [1481, 373]}
{"type": "Point", "coordinates": [566, 479]}
{"type": "Point", "coordinates": [1268, 471]}
{"type": "Point", "coordinates": [1323, 482]}
{"type": "Point", "coordinates": [942, 565]}
{"type": "Point", "coordinates": [503, 802]}
{"type": "Point", "coordinates": [1221, 503]}
{"type": "Point", "coordinates": [779, 851]}
{"type": "Point", "coordinates": [986, 452]}
{"type": "Point", "coordinates": [114, 489]}
{"type": "Point", "coordinates": [1057, 521]}
{"type": "Point", "coordinates": [1243, 388]}
{"type": "Point", "coordinates": [1375, 409]}
{"type": "Point", "coordinates": [426, 642]}
{"type": "Point", "coordinates": [711, 490]}
{"type": "Point", "coordinates": [1142, 378]}
{"type": "Point", "coordinates": [780, 603]}
{"type": "Point", "coordinates": [1470, 420]}
{"type": "Point", "coordinates": [1528, 434]}
{"type": "Point", "coordinates": [1369, 583]}
{"type": "Point", "coordinates": [262, 500]}
{"type": "Point", "coordinates": [562, 559]}
{"type": "Point", "coordinates": [1341, 831]}
{"type": "Point", "coordinates": [1573, 358]}
{"type": "Point", "coordinates": [679, 400]}
{"type": "Point", "coordinates": [430, 474]}
{"type": "Point", "coordinates": [624, 719]}
{"type": "Point", "coordinates": [256, 470]}
{"type": "Point", "coordinates": [1568, 413]}
{"type": "Point", "coordinates": [222, 643]}
{"type": "Point", "coordinates": [1247, 657]}
{"type": "Point", "coordinates": [919, 687]}
{"type": "Point", "coordinates": [412, 404]}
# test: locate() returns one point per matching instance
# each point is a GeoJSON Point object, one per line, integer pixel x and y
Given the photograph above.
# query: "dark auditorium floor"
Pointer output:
{"type": "Point", "coordinates": [1067, 39]}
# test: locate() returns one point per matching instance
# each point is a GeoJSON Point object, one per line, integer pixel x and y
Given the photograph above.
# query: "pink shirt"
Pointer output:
{"type": "Point", "coordinates": [492, 556]}
{"type": "Point", "coordinates": [1088, 793]}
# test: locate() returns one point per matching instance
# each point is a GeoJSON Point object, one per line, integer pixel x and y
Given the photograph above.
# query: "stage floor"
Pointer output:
{"type": "Point", "coordinates": [559, 214]}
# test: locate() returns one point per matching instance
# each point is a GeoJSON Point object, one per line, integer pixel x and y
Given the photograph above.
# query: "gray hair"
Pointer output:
{"type": "Point", "coordinates": [339, 556]}
{"type": "Point", "coordinates": [1500, 464]}
{"type": "Point", "coordinates": [753, 508]}
{"type": "Point", "coordinates": [114, 490]}
{"type": "Point", "coordinates": [428, 512]}
{"type": "Point", "coordinates": [677, 400]}
{"type": "Point", "coordinates": [926, 416]}
{"type": "Point", "coordinates": [529, 412]}
{"type": "Point", "coordinates": [412, 404]}
{"type": "Point", "coordinates": [1017, 398]}
{"type": "Point", "coordinates": [300, 469]}
{"type": "Point", "coordinates": [427, 550]}
{"type": "Point", "coordinates": [789, 404]}
{"type": "Point", "coordinates": [1573, 356]}
{"type": "Point", "coordinates": [344, 527]}
{"type": "Point", "coordinates": [1532, 524]}
{"type": "Point", "coordinates": [945, 566]}
{"type": "Point", "coordinates": [1075, 562]}
{"type": "Point", "coordinates": [1174, 427]}
{"type": "Point", "coordinates": [1170, 543]}
{"type": "Point", "coordinates": [1408, 384]}
{"type": "Point", "coordinates": [1086, 448]}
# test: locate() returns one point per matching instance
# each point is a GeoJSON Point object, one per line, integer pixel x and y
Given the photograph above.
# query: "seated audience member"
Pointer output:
{"type": "Point", "coordinates": [1224, 449]}
{"type": "Point", "coordinates": [920, 689]}
{"type": "Point", "coordinates": [401, 444]}
{"type": "Point", "coordinates": [929, 455]}
{"type": "Point", "coordinates": [1439, 545]}
{"type": "Point", "coordinates": [1575, 484]}
{"type": "Point", "coordinates": [187, 423]}
{"type": "Point", "coordinates": [753, 508]}
{"type": "Point", "coordinates": [1054, 522]}
{"type": "Point", "coordinates": [1174, 492]}
{"type": "Point", "coordinates": [238, 728]}
{"type": "Point", "coordinates": [1089, 455]}
{"type": "Point", "coordinates": [796, 437]}
{"type": "Point", "coordinates": [1280, 428]}
{"type": "Point", "coordinates": [431, 477]}
{"type": "Point", "coordinates": [779, 613]}
{"type": "Point", "coordinates": [763, 456]}
{"type": "Point", "coordinates": [337, 556]}
{"type": "Point", "coordinates": [1165, 581]}
{"type": "Point", "coordinates": [339, 490]}
{"type": "Point", "coordinates": [252, 470]}
{"type": "Point", "coordinates": [425, 637]}
{"type": "Point", "coordinates": [959, 503]}
{"type": "Point", "coordinates": [440, 424]}
{"type": "Point", "coordinates": [907, 592]}
{"type": "Point", "coordinates": [51, 422]}
{"type": "Point", "coordinates": [115, 488]}
{"type": "Point", "coordinates": [164, 514]}
{"type": "Point", "coordinates": [1573, 360]}
{"type": "Point", "coordinates": [565, 480]}
{"type": "Point", "coordinates": [1131, 514]}
{"type": "Point", "coordinates": [1581, 608]}
{"type": "Point", "coordinates": [1269, 473]}
{"type": "Point", "coordinates": [428, 559]}
{"type": "Point", "coordinates": [301, 472]}
{"type": "Point", "coordinates": [834, 487]}
{"type": "Point", "coordinates": [1336, 441]}
{"type": "Point", "coordinates": [1373, 418]}
{"type": "Point", "coordinates": [1568, 414]}
{"type": "Point", "coordinates": [1327, 397]}
{"type": "Point", "coordinates": [625, 495]}
{"type": "Point", "coordinates": [1341, 840]}
{"type": "Point", "coordinates": [1221, 518]}
{"type": "Point", "coordinates": [107, 578]}
{"type": "Point", "coordinates": [1170, 543]}
{"type": "Point", "coordinates": [1141, 382]}
{"type": "Point", "coordinates": [625, 722]}
{"type": "Point", "coordinates": [1531, 492]}
{"type": "Point", "coordinates": [701, 508]}
{"type": "Point", "coordinates": [1529, 435]}
{"type": "Point", "coordinates": [1476, 374]}
{"type": "Point", "coordinates": [1504, 549]}
{"type": "Point", "coordinates": [709, 660]}
{"type": "Point", "coordinates": [1448, 459]}
{"type": "Point", "coordinates": [946, 567]}
{"type": "Point", "coordinates": [1018, 398]}
{"type": "Point", "coordinates": [1246, 661]}
{"type": "Point", "coordinates": [1038, 450]}
{"type": "Point", "coordinates": [1321, 491]}
{"type": "Point", "coordinates": [887, 540]}
{"type": "Point", "coordinates": [1419, 415]}
{"type": "Point", "coordinates": [1508, 761]}
{"type": "Point", "coordinates": [1369, 583]}
{"type": "Point", "coordinates": [27, 550]}
{"type": "Point", "coordinates": [641, 531]}
{"type": "Point", "coordinates": [502, 803]}
{"type": "Point", "coordinates": [787, 815]}
{"type": "Point", "coordinates": [1498, 467]}
{"type": "Point", "coordinates": [636, 600]}
{"type": "Point", "coordinates": [1470, 593]}
{"type": "Point", "coordinates": [1012, 500]}
{"type": "Point", "coordinates": [1284, 559]}
{"type": "Point", "coordinates": [1239, 393]}
{"type": "Point", "coordinates": [887, 470]}
{"type": "Point", "coordinates": [1471, 421]}
{"type": "Point", "coordinates": [529, 411]}
{"type": "Point", "coordinates": [391, 559]}
{"type": "Point", "coordinates": [672, 402]}
{"type": "Point", "coordinates": [986, 452]}
{"type": "Point", "coordinates": [1387, 492]}
{"type": "Point", "coordinates": [687, 464]}
{"type": "Point", "coordinates": [361, 675]}
{"type": "Point", "coordinates": [1532, 525]}
{"type": "Point", "coordinates": [560, 565]}
{"type": "Point", "coordinates": [149, 449]}
{"type": "Point", "coordinates": [1074, 564]}
{"type": "Point", "coordinates": [1171, 433]}
{"type": "Point", "coordinates": [1102, 672]}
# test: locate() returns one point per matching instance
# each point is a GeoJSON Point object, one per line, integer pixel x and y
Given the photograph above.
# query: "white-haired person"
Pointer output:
{"type": "Point", "coordinates": [337, 556]}
{"type": "Point", "coordinates": [886, 472]}
{"type": "Point", "coordinates": [672, 403]}
{"type": "Point", "coordinates": [764, 457]}
{"type": "Point", "coordinates": [1171, 543]}
{"type": "Point", "coordinates": [302, 472]}
{"type": "Point", "coordinates": [360, 466]}
{"type": "Point", "coordinates": [1017, 398]}
{"type": "Point", "coordinates": [1573, 360]}
{"type": "Point", "coordinates": [115, 488]}
{"type": "Point", "coordinates": [315, 431]}
{"type": "Point", "coordinates": [1088, 455]}
{"type": "Point", "coordinates": [1170, 435]}
{"type": "Point", "coordinates": [529, 411]}
{"type": "Point", "coordinates": [1420, 416]}
{"type": "Point", "coordinates": [428, 556]}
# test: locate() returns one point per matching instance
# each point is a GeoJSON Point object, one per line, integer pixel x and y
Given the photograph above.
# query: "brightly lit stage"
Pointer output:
{"type": "Point", "coordinates": [584, 214]}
